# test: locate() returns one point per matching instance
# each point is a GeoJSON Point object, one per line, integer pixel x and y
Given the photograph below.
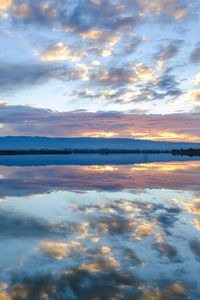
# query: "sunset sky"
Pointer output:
{"type": "Point", "coordinates": [100, 68]}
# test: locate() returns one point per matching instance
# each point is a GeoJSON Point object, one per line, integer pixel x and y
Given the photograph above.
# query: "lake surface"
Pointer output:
{"type": "Point", "coordinates": [99, 231]}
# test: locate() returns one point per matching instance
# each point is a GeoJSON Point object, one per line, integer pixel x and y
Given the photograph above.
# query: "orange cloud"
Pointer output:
{"type": "Point", "coordinates": [4, 6]}
{"type": "Point", "coordinates": [100, 134]}
{"type": "Point", "coordinates": [59, 51]}
{"type": "Point", "coordinates": [194, 96]}
{"type": "Point", "coordinates": [159, 7]}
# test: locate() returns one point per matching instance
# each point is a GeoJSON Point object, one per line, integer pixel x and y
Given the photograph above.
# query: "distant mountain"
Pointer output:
{"type": "Point", "coordinates": [39, 143]}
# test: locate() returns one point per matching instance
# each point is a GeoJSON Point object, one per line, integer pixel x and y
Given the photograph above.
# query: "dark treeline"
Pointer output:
{"type": "Point", "coordinates": [79, 151]}
{"type": "Point", "coordinates": [188, 152]}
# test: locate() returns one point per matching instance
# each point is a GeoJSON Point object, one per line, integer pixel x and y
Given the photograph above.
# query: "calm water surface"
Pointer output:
{"type": "Point", "coordinates": [100, 231]}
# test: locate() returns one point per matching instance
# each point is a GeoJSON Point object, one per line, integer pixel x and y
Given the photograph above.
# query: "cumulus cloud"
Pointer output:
{"type": "Point", "coordinates": [4, 6]}
{"type": "Point", "coordinates": [58, 250]}
{"type": "Point", "coordinates": [105, 50]}
{"type": "Point", "coordinates": [194, 96]}
{"type": "Point", "coordinates": [172, 8]}
{"type": "Point", "coordinates": [61, 52]}
{"type": "Point", "coordinates": [169, 49]}
{"type": "Point", "coordinates": [37, 12]}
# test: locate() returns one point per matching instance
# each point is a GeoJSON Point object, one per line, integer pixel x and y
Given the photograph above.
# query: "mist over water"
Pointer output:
{"type": "Point", "coordinates": [100, 231]}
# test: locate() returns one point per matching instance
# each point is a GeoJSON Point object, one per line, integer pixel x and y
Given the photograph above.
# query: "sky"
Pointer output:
{"type": "Point", "coordinates": [100, 68]}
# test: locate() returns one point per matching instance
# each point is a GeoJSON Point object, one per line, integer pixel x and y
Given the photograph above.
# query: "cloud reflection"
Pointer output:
{"type": "Point", "coordinates": [22, 181]}
{"type": "Point", "coordinates": [99, 232]}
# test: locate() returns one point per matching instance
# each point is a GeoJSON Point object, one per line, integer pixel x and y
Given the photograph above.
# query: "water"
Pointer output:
{"type": "Point", "coordinates": [100, 231]}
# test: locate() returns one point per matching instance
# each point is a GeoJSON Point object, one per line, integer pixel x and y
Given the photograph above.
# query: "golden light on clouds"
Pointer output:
{"type": "Point", "coordinates": [4, 296]}
{"type": "Point", "coordinates": [165, 136]}
{"type": "Point", "coordinates": [95, 63]}
{"type": "Point", "coordinates": [102, 168]}
{"type": "Point", "coordinates": [106, 53]}
{"type": "Point", "coordinates": [60, 250]}
{"type": "Point", "coordinates": [196, 223]}
{"type": "Point", "coordinates": [176, 289]}
{"type": "Point", "coordinates": [194, 96]}
{"type": "Point", "coordinates": [92, 35]}
{"type": "Point", "coordinates": [24, 10]}
{"type": "Point", "coordinates": [100, 134]}
{"type": "Point", "coordinates": [105, 249]}
{"type": "Point", "coordinates": [60, 51]}
{"type": "Point", "coordinates": [159, 7]}
{"type": "Point", "coordinates": [108, 38]}
{"type": "Point", "coordinates": [144, 229]}
{"type": "Point", "coordinates": [193, 206]}
{"type": "Point", "coordinates": [143, 72]}
{"type": "Point", "coordinates": [179, 13]}
{"type": "Point", "coordinates": [166, 167]}
{"type": "Point", "coordinates": [5, 4]}
{"type": "Point", "coordinates": [107, 264]}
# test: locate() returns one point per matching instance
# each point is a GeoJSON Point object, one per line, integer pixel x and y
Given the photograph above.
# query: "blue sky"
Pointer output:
{"type": "Point", "coordinates": [133, 57]}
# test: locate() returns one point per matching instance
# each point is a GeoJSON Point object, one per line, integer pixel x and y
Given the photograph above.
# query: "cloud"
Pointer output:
{"type": "Point", "coordinates": [172, 8]}
{"type": "Point", "coordinates": [70, 283]}
{"type": "Point", "coordinates": [101, 15]}
{"type": "Point", "coordinates": [60, 250]}
{"type": "Point", "coordinates": [168, 86]}
{"type": "Point", "coordinates": [4, 6]}
{"type": "Point", "coordinates": [19, 76]}
{"type": "Point", "coordinates": [194, 96]}
{"type": "Point", "coordinates": [133, 43]}
{"type": "Point", "coordinates": [78, 17]}
{"type": "Point", "coordinates": [20, 181]}
{"type": "Point", "coordinates": [193, 206]}
{"type": "Point", "coordinates": [26, 120]}
{"type": "Point", "coordinates": [113, 76]}
{"type": "Point", "coordinates": [106, 37]}
{"type": "Point", "coordinates": [15, 76]}
{"type": "Point", "coordinates": [195, 56]}
{"type": "Point", "coordinates": [106, 52]}
{"type": "Point", "coordinates": [142, 72]}
{"type": "Point", "coordinates": [93, 43]}
{"type": "Point", "coordinates": [37, 12]}
{"type": "Point", "coordinates": [196, 80]}
{"type": "Point", "coordinates": [86, 16]}
{"type": "Point", "coordinates": [59, 51]}
{"type": "Point", "coordinates": [169, 49]}
{"type": "Point", "coordinates": [26, 226]}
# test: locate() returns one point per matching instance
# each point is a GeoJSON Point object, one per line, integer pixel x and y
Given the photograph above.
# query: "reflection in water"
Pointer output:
{"type": "Point", "coordinates": [100, 232]}
{"type": "Point", "coordinates": [23, 181]}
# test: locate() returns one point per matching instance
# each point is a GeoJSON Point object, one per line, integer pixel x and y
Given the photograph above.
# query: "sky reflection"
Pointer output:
{"type": "Point", "coordinates": [100, 232]}
{"type": "Point", "coordinates": [21, 181]}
